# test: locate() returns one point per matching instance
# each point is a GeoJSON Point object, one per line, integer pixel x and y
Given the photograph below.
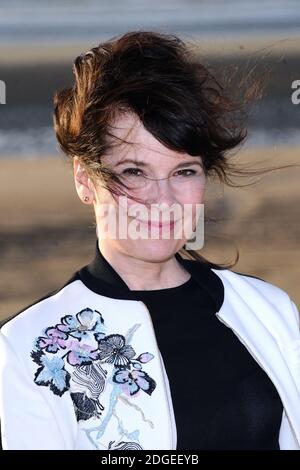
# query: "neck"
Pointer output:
{"type": "Point", "coordinates": [140, 274]}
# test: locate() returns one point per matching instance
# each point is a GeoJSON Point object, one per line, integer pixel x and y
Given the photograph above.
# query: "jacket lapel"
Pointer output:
{"type": "Point", "coordinates": [265, 333]}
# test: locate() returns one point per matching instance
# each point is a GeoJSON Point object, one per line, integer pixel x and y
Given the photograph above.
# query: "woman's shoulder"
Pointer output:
{"type": "Point", "coordinates": [257, 289]}
{"type": "Point", "coordinates": [253, 288]}
{"type": "Point", "coordinates": [243, 278]}
{"type": "Point", "coordinates": [261, 284]}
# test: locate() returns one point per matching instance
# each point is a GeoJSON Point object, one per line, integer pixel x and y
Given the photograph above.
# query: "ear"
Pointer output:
{"type": "Point", "coordinates": [83, 184]}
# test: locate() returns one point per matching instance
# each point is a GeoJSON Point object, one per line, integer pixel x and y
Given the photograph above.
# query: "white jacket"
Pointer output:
{"type": "Point", "coordinates": [81, 368]}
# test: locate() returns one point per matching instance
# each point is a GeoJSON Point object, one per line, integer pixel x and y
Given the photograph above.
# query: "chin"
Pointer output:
{"type": "Point", "coordinates": [154, 250]}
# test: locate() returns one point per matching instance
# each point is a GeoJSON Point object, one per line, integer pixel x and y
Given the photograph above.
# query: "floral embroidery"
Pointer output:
{"type": "Point", "coordinates": [85, 323]}
{"type": "Point", "coordinates": [53, 340]}
{"type": "Point", "coordinates": [70, 357]}
{"type": "Point", "coordinates": [113, 350]}
{"type": "Point", "coordinates": [90, 383]}
{"type": "Point", "coordinates": [51, 372]}
{"type": "Point", "coordinates": [133, 381]}
{"type": "Point", "coordinates": [80, 353]}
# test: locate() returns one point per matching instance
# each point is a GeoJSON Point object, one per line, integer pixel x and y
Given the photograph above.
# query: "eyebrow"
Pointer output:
{"type": "Point", "coordinates": [145, 164]}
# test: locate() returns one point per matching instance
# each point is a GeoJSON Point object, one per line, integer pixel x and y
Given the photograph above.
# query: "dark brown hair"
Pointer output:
{"type": "Point", "coordinates": [159, 79]}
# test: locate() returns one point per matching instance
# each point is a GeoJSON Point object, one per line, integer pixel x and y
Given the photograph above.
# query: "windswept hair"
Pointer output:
{"type": "Point", "coordinates": [159, 79]}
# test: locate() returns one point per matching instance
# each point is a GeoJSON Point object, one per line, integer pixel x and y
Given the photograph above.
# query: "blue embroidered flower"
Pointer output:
{"type": "Point", "coordinates": [52, 372]}
{"type": "Point", "coordinates": [112, 349]}
{"type": "Point", "coordinates": [53, 340]}
{"type": "Point", "coordinates": [69, 356]}
{"type": "Point", "coordinates": [133, 381]}
{"type": "Point", "coordinates": [80, 353]}
{"type": "Point", "coordinates": [86, 323]}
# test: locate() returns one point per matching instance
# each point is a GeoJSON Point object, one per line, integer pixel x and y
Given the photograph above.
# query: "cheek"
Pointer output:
{"type": "Point", "coordinates": [193, 212]}
{"type": "Point", "coordinates": [105, 205]}
{"type": "Point", "coordinates": [193, 196]}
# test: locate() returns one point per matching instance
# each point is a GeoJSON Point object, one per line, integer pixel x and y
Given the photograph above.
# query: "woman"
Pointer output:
{"type": "Point", "coordinates": [144, 348]}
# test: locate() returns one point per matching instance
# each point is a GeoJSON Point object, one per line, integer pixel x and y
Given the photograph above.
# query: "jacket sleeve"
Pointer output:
{"type": "Point", "coordinates": [27, 422]}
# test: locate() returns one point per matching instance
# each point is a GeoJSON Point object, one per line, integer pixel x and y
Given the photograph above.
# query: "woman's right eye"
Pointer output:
{"type": "Point", "coordinates": [132, 172]}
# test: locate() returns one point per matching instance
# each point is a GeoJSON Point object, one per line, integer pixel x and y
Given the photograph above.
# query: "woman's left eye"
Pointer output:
{"type": "Point", "coordinates": [187, 172]}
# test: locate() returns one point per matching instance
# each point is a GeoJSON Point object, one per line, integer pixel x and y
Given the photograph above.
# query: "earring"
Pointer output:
{"type": "Point", "coordinates": [86, 198]}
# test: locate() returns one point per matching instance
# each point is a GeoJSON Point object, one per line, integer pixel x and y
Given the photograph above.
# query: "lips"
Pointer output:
{"type": "Point", "coordinates": [153, 223]}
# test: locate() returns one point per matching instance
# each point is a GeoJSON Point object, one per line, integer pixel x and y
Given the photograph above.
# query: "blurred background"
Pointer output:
{"type": "Point", "coordinates": [46, 233]}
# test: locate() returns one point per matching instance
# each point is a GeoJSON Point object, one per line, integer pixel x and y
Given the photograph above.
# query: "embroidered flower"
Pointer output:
{"type": "Point", "coordinates": [52, 372]}
{"type": "Point", "coordinates": [143, 358]}
{"type": "Point", "coordinates": [132, 381]}
{"type": "Point", "coordinates": [70, 356]}
{"type": "Point", "coordinates": [86, 323]}
{"type": "Point", "coordinates": [53, 341]}
{"type": "Point", "coordinates": [112, 349]}
{"type": "Point", "coordinates": [80, 353]}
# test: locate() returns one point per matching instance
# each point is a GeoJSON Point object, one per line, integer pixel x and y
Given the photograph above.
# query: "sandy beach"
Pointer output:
{"type": "Point", "coordinates": [47, 233]}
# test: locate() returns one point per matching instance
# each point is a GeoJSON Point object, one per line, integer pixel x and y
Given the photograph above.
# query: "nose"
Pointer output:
{"type": "Point", "coordinates": [161, 191]}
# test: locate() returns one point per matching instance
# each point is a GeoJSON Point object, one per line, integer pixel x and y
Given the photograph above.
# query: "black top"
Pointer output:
{"type": "Point", "coordinates": [222, 398]}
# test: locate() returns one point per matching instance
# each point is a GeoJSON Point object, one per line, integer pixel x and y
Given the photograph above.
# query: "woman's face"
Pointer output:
{"type": "Point", "coordinates": [170, 187]}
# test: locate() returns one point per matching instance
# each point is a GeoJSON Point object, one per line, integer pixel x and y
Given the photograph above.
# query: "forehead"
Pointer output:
{"type": "Point", "coordinates": [141, 145]}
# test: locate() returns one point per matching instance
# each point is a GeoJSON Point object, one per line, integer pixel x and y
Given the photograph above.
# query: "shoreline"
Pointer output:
{"type": "Point", "coordinates": [243, 45]}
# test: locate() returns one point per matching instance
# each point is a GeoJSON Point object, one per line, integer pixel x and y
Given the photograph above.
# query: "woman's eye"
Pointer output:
{"type": "Point", "coordinates": [186, 172]}
{"type": "Point", "coordinates": [132, 172]}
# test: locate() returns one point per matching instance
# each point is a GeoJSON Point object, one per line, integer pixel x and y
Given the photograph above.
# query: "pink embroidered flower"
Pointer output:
{"type": "Point", "coordinates": [53, 341]}
{"type": "Point", "coordinates": [81, 354]}
{"type": "Point", "coordinates": [134, 380]}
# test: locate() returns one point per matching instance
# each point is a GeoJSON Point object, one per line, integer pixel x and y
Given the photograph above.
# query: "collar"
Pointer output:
{"type": "Point", "coordinates": [100, 277]}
